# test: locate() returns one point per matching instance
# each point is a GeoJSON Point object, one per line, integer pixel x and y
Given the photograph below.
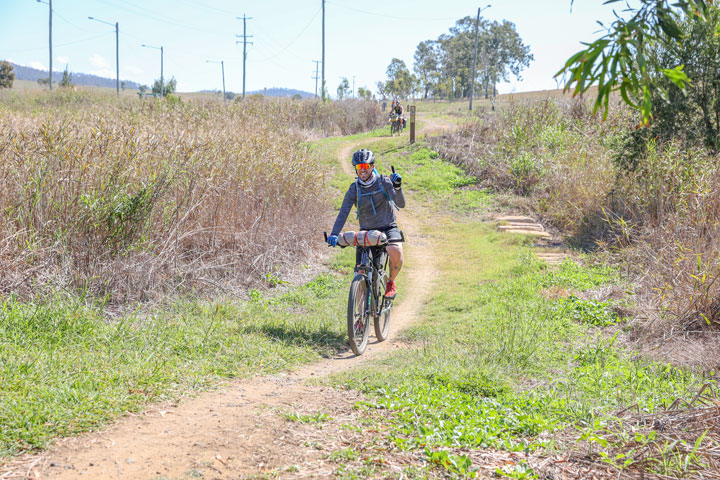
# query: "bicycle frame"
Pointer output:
{"type": "Point", "coordinates": [367, 269]}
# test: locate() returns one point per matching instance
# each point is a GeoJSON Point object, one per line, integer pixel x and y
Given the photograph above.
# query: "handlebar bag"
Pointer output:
{"type": "Point", "coordinates": [363, 238]}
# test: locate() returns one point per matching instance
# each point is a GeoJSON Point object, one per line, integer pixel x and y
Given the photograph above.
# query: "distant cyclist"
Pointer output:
{"type": "Point", "coordinates": [375, 197]}
{"type": "Point", "coordinates": [397, 109]}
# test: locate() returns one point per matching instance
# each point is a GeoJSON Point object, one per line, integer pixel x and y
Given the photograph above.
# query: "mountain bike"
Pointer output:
{"type": "Point", "coordinates": [396, 124]}
{"type": "Point", "coordinates": [367, 290]}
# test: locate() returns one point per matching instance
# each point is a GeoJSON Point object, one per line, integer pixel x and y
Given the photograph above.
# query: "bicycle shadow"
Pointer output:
{"type": "Point", "coordinates": [325, 342]}
{"type": "Point", "coordinates": [348, 354]}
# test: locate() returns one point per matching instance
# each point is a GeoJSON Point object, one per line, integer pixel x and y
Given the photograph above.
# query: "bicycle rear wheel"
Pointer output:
{"type": "Point", "coordinates": [358, 316]}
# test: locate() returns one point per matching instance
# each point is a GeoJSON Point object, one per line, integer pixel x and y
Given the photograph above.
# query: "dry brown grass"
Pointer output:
{"type": "Point", "coordinates": [660, 219]}
{"type": "Point", "coordinates": [673, 250]}
{"type": "Point", "coordinates": [129, 199]}
{"type": "Point", "coordinates": [552, 154]}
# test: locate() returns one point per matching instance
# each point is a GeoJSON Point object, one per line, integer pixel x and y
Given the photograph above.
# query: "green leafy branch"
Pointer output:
{"type": "Point", "coordinates": [617, 61]}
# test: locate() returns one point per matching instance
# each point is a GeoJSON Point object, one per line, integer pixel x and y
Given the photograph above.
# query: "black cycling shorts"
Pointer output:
{"type": "Point", "coordinates": [393, 234]}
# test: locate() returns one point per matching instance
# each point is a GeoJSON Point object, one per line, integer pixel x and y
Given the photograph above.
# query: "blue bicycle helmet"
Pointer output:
{"type": "Point", "coordinates": [363, 156]}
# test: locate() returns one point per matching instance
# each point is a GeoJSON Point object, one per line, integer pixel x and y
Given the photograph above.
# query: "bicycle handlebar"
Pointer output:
{"type": "Point", "coordinates": [326, 237]}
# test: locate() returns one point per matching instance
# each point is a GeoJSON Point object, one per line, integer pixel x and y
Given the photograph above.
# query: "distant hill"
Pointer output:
{"type": "Point", "coordinates": [281, 92]}
{"type": "Point", "coordinates": [33, 74]}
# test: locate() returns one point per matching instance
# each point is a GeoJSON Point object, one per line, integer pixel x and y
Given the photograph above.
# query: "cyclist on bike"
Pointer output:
{"type": "Point", "coordinates": [375, 196]}
{"type": "Point", "coordinates": [397, 107]}
{"type": "Point", "coordinates": [398, 110]}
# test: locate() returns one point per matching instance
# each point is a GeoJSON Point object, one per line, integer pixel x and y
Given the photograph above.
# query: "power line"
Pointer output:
{"type": "Point", "coordinates": [94, 37]}
{"type": "Point", "coordinates": [205, 7]}
{"type": "Point", "coordinates": [375, 14]}
{"type": "Point", "coordinates": [286, 47]}
{"type": "Point", "coordinates": [142, 12]}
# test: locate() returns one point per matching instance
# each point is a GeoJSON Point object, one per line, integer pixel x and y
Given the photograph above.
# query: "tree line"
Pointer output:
{"type": "Point", "coordinates": [442, 68]}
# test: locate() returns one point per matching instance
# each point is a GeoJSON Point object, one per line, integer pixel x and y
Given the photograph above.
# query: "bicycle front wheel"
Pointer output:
{"type": "Point", "coordinates": [358, 316]}
{"type": "Point", "coordinates": [382, 321]}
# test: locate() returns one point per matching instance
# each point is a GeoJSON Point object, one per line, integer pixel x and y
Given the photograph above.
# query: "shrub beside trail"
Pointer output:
{"type": "Point", "coordinates": [654, 206]}
{"type": "Point", "coordinates": [126, 199]}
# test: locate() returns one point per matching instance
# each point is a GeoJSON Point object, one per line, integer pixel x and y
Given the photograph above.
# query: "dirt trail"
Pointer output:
{"type": "Point", "coordinates": [239, 431]}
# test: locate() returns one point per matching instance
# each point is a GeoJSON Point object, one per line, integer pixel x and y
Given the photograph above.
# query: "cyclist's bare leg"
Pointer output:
{"type": "Point", "coordinates": [395, 252]}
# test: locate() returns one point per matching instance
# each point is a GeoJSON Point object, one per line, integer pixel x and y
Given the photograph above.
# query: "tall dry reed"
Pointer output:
{"type": "Point", "coordinates": [660, 219]}
{"type": "Point", "coordinates": [129, 199]}
{"type": "Point", "coordinates": [553, 154]}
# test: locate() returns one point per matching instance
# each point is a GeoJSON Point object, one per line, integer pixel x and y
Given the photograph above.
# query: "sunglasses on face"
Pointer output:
{"type": "Point", "coordinates": [363, 166]}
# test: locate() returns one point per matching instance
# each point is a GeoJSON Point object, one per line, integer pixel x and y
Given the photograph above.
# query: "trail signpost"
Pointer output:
{"type": "Point", "coordinates": [412, 124]}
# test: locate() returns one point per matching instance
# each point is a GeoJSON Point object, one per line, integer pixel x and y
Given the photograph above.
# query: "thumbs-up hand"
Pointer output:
{"type": "Point", "coordinates": [396, 179]}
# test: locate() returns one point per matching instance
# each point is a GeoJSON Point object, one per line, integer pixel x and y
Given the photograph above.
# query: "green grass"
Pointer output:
{"type": "Point", "coordinates": [66, 369]}
{"type": "Point", "coordinates": [434, 181]}
{"type": "Point", "coordinates": [317, 418]}
{"type": "Point", "coordinates": [496, 363]}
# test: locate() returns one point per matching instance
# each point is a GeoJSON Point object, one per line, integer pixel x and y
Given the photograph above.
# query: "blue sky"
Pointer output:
{"type": "Point", "coordinates": [361, 37]}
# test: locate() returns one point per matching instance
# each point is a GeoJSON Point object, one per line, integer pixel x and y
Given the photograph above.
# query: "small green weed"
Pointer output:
{"type": "Point", "coordinates": [587, 311]}
{"type": "Point", "coordinates": [520, 471]}
{"type": "Point", "coordinates": [455, 464]}
{"type": "Point", "coordinates": [346, 454]}
{"type": "Point", "coordinates": [307, 419]}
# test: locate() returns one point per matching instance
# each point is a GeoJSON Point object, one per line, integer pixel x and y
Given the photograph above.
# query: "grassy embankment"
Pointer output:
{"type": "Point", "coordinates": [513, 356]}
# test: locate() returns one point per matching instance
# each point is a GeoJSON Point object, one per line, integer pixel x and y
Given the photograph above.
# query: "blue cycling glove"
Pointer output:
{"type": "Point", "coordinates": [396, 180]}
{"type": "Point", "coordinates": [332, 240]}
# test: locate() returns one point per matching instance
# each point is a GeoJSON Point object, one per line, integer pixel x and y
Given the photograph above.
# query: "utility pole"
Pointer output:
{"type": "Point", "coordinates": [49, 4]}
{"type": "Point", "coordinates": [323, 50]}
{"type": "Point", "coordinates": [117, 58]}
{"type": "Point", "coordinates": [162, 80]}
{"type": "Point", "coordinates": [244, 42]}
{"type": "Point", "coordinates": [472, 73]}
{"type": "Point", "coordinates": [117, 52]}
{"type": "Point", "coordinates": [317, 65]}
{"type": "Point", "coordinates": [50, 42]}
{"type": "Point", "coordinates": [222, 65]}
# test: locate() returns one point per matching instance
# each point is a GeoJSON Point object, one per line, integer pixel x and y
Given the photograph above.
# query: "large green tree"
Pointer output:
{"type": "Point", "coordinates": [365, 93]}
{"type": "Point", "coordinates": [380, 86]}
{"type": "Point", "coordinates": [400, 82]}
{"type": "Point", "coordinates": [618, 60]}
{"type": "Point", "coordinates": [427, 62]}
{"type": "Point", "coordinates": [444, 66]}
{"type": "Point", "coordinates": [66, 81]}
{"type": "Point", "coordinates": [690, 114]}
{"type": "Point", "coordinates": [343, 90]}
{"type": "Point", "coordinates": [7, 76]}
{"type": "Point", "coordinates": [505, 55]}
{"type": "Point", "coordinates": [170, 87]}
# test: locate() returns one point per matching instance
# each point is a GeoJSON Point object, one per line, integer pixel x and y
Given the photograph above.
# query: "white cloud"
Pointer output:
{"type": "Point", "coordinates": [38, 65]}
{"type": "Point", "coordinates": [99, 61]}
{"type": "Point", "coordinates": [63, 59]}
{"type": "Point", "coordinates": [103, 73]}
{"type": "Point", "coordinates": [132, 69]}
